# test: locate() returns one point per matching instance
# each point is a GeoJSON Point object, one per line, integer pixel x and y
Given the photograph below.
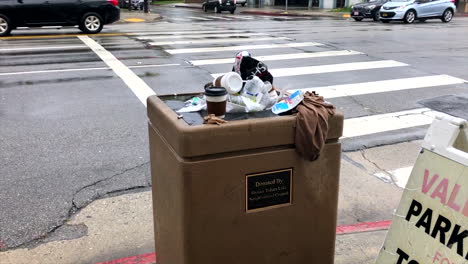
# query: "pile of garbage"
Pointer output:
{"type": "Point", "coordinates": [249, 88]}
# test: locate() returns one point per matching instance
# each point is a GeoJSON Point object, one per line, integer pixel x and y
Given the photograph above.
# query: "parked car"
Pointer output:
{"type": "Point", "coordinates": [138, 4]}
{"type": "Point", "coordinates": [124, 3]}
{"type": "Point", "coordinates": [367, 10]}
{"type": "Point", "coordinates": [241, 2]}
{"type": "Point", "coordinates": [411, 10]}
{"type": "Point", "coordinates": [219, 5]}
{"type": "Point", "coordinates": [89, 15]}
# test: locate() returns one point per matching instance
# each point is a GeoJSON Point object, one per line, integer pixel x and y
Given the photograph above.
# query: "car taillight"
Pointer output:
{"type": "Point", "coordinates": [114, 2]}
{"type": "Point", "coordinates": [453, 1]}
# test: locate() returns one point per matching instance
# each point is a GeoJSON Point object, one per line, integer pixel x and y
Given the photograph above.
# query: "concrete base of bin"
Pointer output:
{"type": "Point", "coordinates": [200, 211]}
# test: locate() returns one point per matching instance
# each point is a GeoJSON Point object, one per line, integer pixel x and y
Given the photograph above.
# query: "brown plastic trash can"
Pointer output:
{"type": "Point", "coordinates": [239, 192]}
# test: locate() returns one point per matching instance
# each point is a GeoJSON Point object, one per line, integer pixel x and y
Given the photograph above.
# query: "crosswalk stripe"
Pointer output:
{"type": "Point", "coordinates": [290, 56]}
{"type": "Point", "coordinates": [245, 47]}
{"type": "Point", "coordinates": [384, 86]}
{"type": "Point", "coordinates": [160, 43]}
{"type": "Point", "coordinates": [361, 126]}
{"type": "Point", "coordinates": [200, 18]}
{"type": "Point", "coordinates": [180, 19]}
{"type": "Point", "coordinates": [183, 32]}
{"type": "Point", "coordinates": [201, 36]}
{"type": "Point", "coordinates": [219, 17]}
{"type": "Point", "coordinates": [353, 66]}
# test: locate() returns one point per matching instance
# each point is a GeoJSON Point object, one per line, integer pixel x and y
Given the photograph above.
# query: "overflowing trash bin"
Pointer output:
{"type": "Point", "coordinates": [242, 190]}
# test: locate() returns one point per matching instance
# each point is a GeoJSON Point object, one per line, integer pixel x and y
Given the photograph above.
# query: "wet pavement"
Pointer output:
{"type": "Point", "coordinates": [72, 131]}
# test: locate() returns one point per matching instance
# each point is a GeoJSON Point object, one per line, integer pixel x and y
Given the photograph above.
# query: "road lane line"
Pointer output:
{"type": "Point", "coordinates": [246, 47]}
{"type": "Point", "coordinates": [354, 89]}
{"type": "Point", "coordinates": [84, 69]}
{"type": "Point", "coordinates": [180, 19]}
{"type": "Point", "coordinates": [244, 17]}
{"type": "Point", "coordinates": [183, 32]}
{"type": "Point", "coordinates": [135, 83]}
{"type": "Point", "coordinates": [62, 36]}
{"type": "Point", "coordinates": [202, 36]}
{"type": "Point", "coordinates": [212, 41]}
{"type": "Point", "coordinates": [362, 126]}
{"type": "Point", "coordinates": [353, 66]}
{"type": "Point", "coordinates": [219, 17]}
{"type": "Point", "coordinates": [45, 48]}
{"type": "Point", "coordinates": [291, 56]}
{"type": "Point", "coordinates": [200, 18]}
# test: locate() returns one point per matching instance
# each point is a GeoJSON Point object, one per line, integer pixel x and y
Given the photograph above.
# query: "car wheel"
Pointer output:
{"type": "Point", "coordinates": [358, 18]}
{"type": "Point", "coordinates": [217, 10]}
{"type": "Point", "coordinates": [376, 16]}
{"type": "Point", "coordinates": [5, 26]}
{"type": "Point", "coordinates": [91, 23]}
{"type": "Point", "coordinates": [385, 21]}
{"type": "Point", "coordinates": [447, 16]}
{"type": "Point", "coordinates": [204, 8]}
{"type": "Point", "coordinates": [232, 11]}
{"type": "Point", "coordinates": [243, 4]}
{"type": "Point", "coordinates": [410, 16]}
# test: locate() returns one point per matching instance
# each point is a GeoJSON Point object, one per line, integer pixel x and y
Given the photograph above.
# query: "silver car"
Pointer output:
{"type": "Point", "coordinates": [411, 10]}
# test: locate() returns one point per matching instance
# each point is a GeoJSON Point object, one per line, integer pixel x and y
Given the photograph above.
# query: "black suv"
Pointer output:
{"type": "Point", "coordinates": [89, 15]}
{"type": "Point", "coordinates": [219, 5]}
{"type": "Point", "coordinates": [367, 10]}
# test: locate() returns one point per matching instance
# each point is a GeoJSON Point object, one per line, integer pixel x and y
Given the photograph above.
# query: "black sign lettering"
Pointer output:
{"type": "Point", "coordinates": [415, 209]}
{"type": "Point", "coordinates": [443, 227]}
{"type": "Point", "coordinates": [268, 189]}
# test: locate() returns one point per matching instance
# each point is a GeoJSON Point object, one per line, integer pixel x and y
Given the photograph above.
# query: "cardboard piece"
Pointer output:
{"type": "Point", "coordinates": [203, 175]}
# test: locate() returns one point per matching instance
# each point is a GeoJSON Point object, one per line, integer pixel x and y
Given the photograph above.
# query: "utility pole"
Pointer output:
{"type": "Point", "coordinates": [286, 6]}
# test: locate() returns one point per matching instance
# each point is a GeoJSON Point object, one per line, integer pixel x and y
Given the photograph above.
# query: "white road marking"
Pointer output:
{"type": "Point", "coordinates": [219, 17]}
{"type": "Point", "coordinates": [291, 56]}
{"type": "Point", "coordinates": [212, 41]}
{"type": "Point", "coordinates": [202, 36]}
{"type": "Point", "coordinates": [246, 47]}
{"type": "Point", "coordinates": [84, 69]}
{"type": "Point", "coordinates": [244, 17]}
{"type": "Point", "coordinates": [183, 32]}
{"type": "Point", "coordinates": [384, 86]}
{"type": "Point", "coordinates": [200, 18]}
{"type": "Point", "coordinates": [135, 83]}
{"type": "Point", "coordinates": [353, 66]}
{"type": "Point", "coordinates": [399, 176]}
{"type": "Point", "coordinates": [180, 19]}
{"type": "Point", "coordinates": [361, 126]}
{"type": "Point", "coordinates": [45, 48]}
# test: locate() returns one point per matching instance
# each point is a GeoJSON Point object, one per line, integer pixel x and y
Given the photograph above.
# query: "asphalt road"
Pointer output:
{"type": "Point", "coordinates": [72, 131]}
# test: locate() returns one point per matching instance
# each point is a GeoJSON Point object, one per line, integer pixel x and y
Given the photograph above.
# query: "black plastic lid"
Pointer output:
{"type": "Point", "coordinates": [215, 91]}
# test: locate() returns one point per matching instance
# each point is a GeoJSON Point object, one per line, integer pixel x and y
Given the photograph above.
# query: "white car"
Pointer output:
{"type": "Point", "coordinates": [411, 10]}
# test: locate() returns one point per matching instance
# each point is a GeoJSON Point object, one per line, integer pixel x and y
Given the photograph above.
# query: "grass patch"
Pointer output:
{"type": "Point", "coordinates": [344, 9]}
{"type": "Point", "coordinates": [167, 2]}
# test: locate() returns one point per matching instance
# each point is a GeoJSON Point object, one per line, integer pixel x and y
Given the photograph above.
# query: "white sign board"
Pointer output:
{"type": "Point", "coordinates": [431, 223]}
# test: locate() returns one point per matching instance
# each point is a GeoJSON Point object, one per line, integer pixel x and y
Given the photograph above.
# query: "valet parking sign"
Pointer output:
{"type": "Point", "coordinates": [431, 223]}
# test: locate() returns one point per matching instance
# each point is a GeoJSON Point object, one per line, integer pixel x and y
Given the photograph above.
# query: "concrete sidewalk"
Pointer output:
{"type": "Point", "coordinates": [118, 227]}
{"type": "Point", "coordinates": [271, 11]}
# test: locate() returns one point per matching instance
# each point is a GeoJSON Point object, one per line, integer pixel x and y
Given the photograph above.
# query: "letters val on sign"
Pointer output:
{"type": "Point", "coordinates": [268, 190]}
{"type": "Point", "coordinates": [431, 223]}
